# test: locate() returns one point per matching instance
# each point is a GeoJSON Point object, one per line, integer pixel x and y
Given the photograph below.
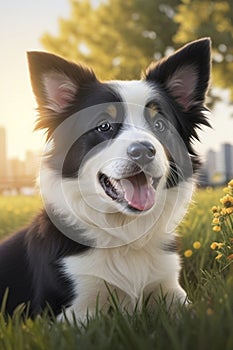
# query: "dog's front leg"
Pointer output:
{"type": "Point", "coordinates": [91, 297]}
{"type": "Point", "coordinates": [172, 293]}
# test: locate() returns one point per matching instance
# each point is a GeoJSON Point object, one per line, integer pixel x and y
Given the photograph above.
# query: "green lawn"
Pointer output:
{"type": "Point", "coordinates": [206, 324]}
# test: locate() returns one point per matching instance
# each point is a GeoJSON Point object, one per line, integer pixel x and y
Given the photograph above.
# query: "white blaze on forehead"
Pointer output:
{"type": "Point", "coordinates": [134, 91]}
{"type": "Point", "coordinates": [136, 94]}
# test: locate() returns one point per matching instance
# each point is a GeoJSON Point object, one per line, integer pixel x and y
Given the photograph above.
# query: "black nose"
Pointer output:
{"type": "Point", "coordinates": [141, 152]}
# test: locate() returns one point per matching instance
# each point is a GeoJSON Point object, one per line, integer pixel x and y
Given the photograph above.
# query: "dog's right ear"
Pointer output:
{"type": "Point", "coordinates": [56, 81]}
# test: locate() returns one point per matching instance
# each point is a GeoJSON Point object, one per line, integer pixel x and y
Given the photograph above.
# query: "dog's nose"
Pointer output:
{"type": "Point", "coordinates": [141, 152]}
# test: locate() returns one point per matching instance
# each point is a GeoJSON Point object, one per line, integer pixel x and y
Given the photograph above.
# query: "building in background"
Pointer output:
{"type": "Point", "coordinates": [16, 174]}
{"type": "Point", "coordinates": [16, 169]}
{"type": "Point", "coordinates": [24, 170]}
{"type": "Point", "coordinates": [211, 165]}
{"type": "Point", "coordinates": [31, 164]}
{"type": "Point", "coordinates": [218, 166]}
{"type": "Point", "coordinates": [227, 155]}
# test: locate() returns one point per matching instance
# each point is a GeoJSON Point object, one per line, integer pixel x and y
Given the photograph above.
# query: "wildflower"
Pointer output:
{"type": "Point", "coordinates": [229, 210]}
{"type": "Point", "coordinates": [215, 209]}
{"type": "Point", "coordinates": [220, 245]}
{"type": "Point", "coordinates": [215, 221]}
{"type": "Point", "coordinates": [226, 190]}
{"type": "Point", "coordinates": [196, 245]}
{"type": "Point", "coordinates": [227, 201]}
{"type": "Point", "coordinates": [217, 228]}
{"type": "Point", "coordinates": [215, 245]}
{"type": "Point", "coordinates": [221, 221]}
{"type": "Point", "coordinates": [223, 212]}
{"type": "Point", "coordinates": [218, 256]}
{"type": "Point", "coordinates": [188, 253]}
{"type": "Point", "coordinates": [230, 184]}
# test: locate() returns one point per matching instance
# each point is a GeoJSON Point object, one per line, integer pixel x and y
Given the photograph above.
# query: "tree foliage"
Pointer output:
{"type": "Point", "coordinates": [215, 19]}
{"type": "Point", "coordinates": [117, 38]}
{"type": "Point", "coordinates": [120, 38]}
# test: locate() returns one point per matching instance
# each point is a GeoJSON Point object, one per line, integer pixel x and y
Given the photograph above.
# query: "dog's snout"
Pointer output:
{"type": "Point", "coordinates": [141, 152]}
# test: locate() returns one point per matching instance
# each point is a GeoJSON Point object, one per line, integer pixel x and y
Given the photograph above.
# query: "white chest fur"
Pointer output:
{"type": "Point", "coordinates": [131, 272]}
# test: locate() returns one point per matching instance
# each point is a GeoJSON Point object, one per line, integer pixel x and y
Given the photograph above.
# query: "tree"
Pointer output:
{"type": "Point", "coordinates": [120, 38]}
{"type": "Point", "coordinates": [117, 38]}
{"type": "Point", "coordinates": [215, 19]}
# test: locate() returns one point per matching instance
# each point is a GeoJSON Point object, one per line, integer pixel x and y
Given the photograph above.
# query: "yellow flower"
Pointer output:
{"type": "Point", "coordinates": [215, 209]}
{"type": "Point", "coordinates": [226, 190]}
{"type": "Point", "coordinates": [215, 221]}
{"type": "Point", "coordinates": [188, 253]}
{"type": "Point", "coordinates": [229, 210]}
{"type": "Point", "coordinates": [227, 201]}
{"type": "Point", "coordinates": [215, 245]}
{"type": "Point", "coordinates": [216, 215]}
{"type": "Point", "coordinates": [230, 184]}
{"type": "Point", "coordinates": [217, 228]}
{"type": "Point", "coordinates": [196, 245]}
{"type": "Point", "coordinates": [223, 211]}
{"type": "Point", "coordinates": [218, 256]}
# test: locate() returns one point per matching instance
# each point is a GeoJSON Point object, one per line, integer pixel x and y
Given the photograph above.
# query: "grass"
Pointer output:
{"type": "Point", "coordinates": [206, 323]}
{"type": "Point", "coordinates": [16, 212]}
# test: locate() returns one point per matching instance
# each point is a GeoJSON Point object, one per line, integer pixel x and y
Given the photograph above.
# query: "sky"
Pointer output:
{"type": "Point", "coordinates": [22, 23]}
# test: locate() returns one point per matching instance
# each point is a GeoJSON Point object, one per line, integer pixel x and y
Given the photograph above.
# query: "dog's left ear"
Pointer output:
{"type": "Point", "coordinates": [185, 74]}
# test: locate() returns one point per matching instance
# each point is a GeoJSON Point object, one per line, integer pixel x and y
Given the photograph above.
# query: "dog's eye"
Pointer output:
{"type": "Point", "coordinates": [104, 126]}
{"type": "Point", "coordinates": [160, 125]}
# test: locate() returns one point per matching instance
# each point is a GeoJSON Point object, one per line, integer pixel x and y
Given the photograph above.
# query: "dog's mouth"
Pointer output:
{"type": "Point", "coordinates": [137, 191]}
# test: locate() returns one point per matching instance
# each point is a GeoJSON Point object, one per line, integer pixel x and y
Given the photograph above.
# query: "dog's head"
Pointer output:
{"type": "Point", "coordinates": [116, 147]}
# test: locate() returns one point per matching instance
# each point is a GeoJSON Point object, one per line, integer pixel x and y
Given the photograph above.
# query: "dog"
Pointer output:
{"type": "Point", "coordinates": [116, 179]}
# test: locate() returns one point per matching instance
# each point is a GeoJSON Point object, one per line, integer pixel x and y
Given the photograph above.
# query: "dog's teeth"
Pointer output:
{"type": "Point", "coordinates": [116, 185]}
{"type": "Point", "coordinates": [114, 182]}
{"type": "Point", "coordinates": [150, 180]}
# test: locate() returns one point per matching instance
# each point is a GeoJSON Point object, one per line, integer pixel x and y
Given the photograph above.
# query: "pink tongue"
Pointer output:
{"type": "Point", "coordinates": [138, 193]}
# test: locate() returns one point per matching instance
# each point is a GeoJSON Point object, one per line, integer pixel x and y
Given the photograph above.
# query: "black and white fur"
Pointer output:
{"type": "Point", "coordinates": [142, 134]}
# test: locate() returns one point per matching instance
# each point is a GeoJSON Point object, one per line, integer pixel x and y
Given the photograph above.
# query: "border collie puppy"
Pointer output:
{"type": "Point", "coordinates": [116, 179]}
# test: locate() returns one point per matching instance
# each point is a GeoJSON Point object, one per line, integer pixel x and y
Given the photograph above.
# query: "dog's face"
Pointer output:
{"type": "Point", "coordinates": [127, 161]}
{"type": "Point", "coordinates": [117, 148]}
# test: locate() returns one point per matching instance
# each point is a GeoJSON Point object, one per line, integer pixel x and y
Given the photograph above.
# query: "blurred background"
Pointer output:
{"type": "Point", "coordinates": [118, 39]}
